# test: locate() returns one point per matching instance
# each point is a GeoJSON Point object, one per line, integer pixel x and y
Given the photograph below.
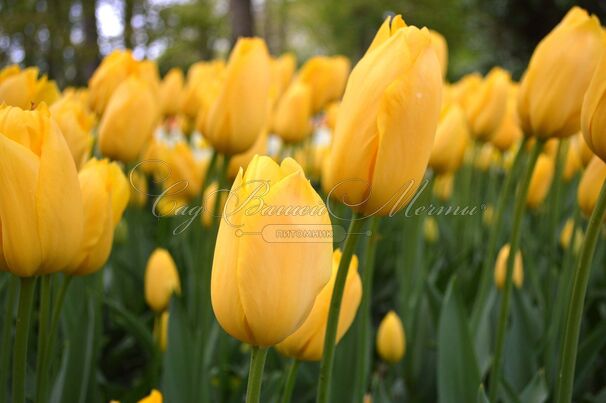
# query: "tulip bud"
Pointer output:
{"type": "Point", "coordinates": [154, 397]}
{"type": "Point", "coordinates": [509, 132]}
{"type": "Point", "coordinates": [391, 339]}
{"type": "Point", "coordinates": [552, 89]}
{"type": "Point", "coordinates": [488, 216]}
{"type": "Point", "coordinates": [76, 123]}
{"type": "Point", "coordinates": [24, 89]}
{"type": "Point", "coordinates": [112, 71]}
{"type": "Point", "coordinates": [593, 117]}
{"type": "Point", "coordinates": [161, 280]}
{"type": "Point", "coordinates": [129, 120]}
{"type": "Point", "coordinates": [442, 186]}
{"type": "Point", "coordinates": [179, 171]}
{"type": "Point", "coordinates": [487, 157]}
{"type": "Point", "coordinates": [326, 77]}
{"type": "Point", "coordinates": [202, 78]}
{"type": "Point", "coordinates": [262, 291]}
{"type": "Point", "coordinates": [307, 342]}
{"type": "Point", "coordinates": [486, 108]}
{"type": "Point", "coordinates": [170, 92]}
{"type": "Point", "coordinates": [330, 115]}
{"type": "Point", "coordinates": [381, 146]}
{"type": "Point", "coordinates": [438, 42]}
{"type": "Point", "coordinates": [572, 164]}
{"type": "Point", "coordinates": [242, 160]}
{"type": "Point", "coordinates": [292, 118]}
{"type": "Point", "coordinates": [450, 142]}
{"type": "Point", "coordinates": [282, 70]}
{"type": "Point", "coordinates": [41, 211]}
{"type": "Point", "coordinates": [500, 269]}
{"type": "Point", "coordinates": [430, 230]}
{"type": "Point", "coordinates": [566, 236]}
{"type": "Point", "coordinates": [105, 195]}
{"type": "Point", "coordinates": [590, 185]}
{"type": "Point", "coordinates": [540, 181]}
{"type": "Point", "coordinates": [584, 152]}
{"type": "Point", "coordinates": [239, 112]}
{"type": "Point", "coordinates": [139, 192]}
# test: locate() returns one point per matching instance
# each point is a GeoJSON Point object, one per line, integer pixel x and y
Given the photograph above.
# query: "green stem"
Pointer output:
{"type": "Point", "coordinates": [520, 205]}
{"type": "Point", "coordinates": [255, 375]}
{"type": "Point", "coordinates": [335, 307]}
{"type": "Point", "coordinates": [42, 386]}
{"type": "Point", "coordinates": [574, 317]}
{"type": "Point", "coordinates": [26, 299]}
{"type": "Point", "coordinates": [364, 321]}
{"type": "Point", "coordinates": [43, 322]}
{"type": "Point", "coordinates": [7, 328]}
{"type": "Point", "coordinates": [493, 237]}
{"type": "Point", "coordinates": [291, 378]}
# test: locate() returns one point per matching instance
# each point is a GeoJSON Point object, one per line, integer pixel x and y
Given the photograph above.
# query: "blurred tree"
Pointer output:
{"type": "Point", "coordinates": [242, 21]}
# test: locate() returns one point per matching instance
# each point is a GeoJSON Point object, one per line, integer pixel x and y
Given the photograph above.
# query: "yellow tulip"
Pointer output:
{"type": "Point", "coordinates": [24, 89]}
{"type": "Point", "coordinates": [292, 118]}
{"type": "Point", "coordinates": [282, 71]}
{"type": "Point", "coordinates": [202, 78]}
{"type": "Point", "coordinates": [486, 157]}
{"type": "Point", "coordinates": [441, 47]}
{"type": "Point", "coordinates": [129, 120]}
{"type": "Point", "coordinates": [105, 194]}
{"type": "Point", "coordinates": [138, 184]}
{"type": "Point", "coordinates": [430, 230]}
{"type": "Point", "coordinates": [582, 149]}
{"type": "Point", "coordinates": [154, 397]}
{"type": "Point", "coordinates": [552, 89]}
{"type": "Point", "coordinates": [391, 339]}
{"type": "Point", "coordinates": [41, 212]}
{"type": "Point", "coordinates": [242, 160]}
{"type": "Point", "coordinates": [209, 199]}
{"type": "Point", "coordinates": [500, 269]}
{"type": "Point", "coordinates": [387, 121]}
{"type": "Point", "coordinates": [464, 90]}
{"type": "Point", "coordinates": [593, 116]}
{"type": "Point", "coordinates": [148, 71]}
{"type": "Point", "coordinates": [566, 236]}
{"type": "Point", "coordinates": [161, 280]}
{"type": "Point", "coordinates": [486, 107]}
{"type": "Point", "coordinates": [540, 181]}
{"type": "Point", "coordinates": [509, 132]}
{"type": "Point", "coordinates": [326, 77]}
{"type": "Point", "coordinates": [573, 163]}
{"type": "Point", "coordinates": [180, 172]}
{"type": "Point", "coordinates": [452, 138]}
{"type": "Point", "coordinates": [112, 71]}
{"type": "Point", "coordinates": [76, 123]}
{"type": "Point", "coordinates": [262, 291]}
{"type": "Point", "coordinates": [170, 91]}
{"type": "Point", "coordinates": [307, 342]}
{"type": "Point", "coordinates": [442, 186]}
{"type": "Point", "coordinates": [488, 216]}
{"type": "Point", "coordinates": [590, 184]}
{"type": "Point", "coordinates": [239, 112]}
{"type": "Point", "coordinates": [330, 115]}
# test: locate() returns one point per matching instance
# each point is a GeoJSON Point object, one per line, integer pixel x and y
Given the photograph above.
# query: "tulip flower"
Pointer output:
{"type": "Point", "coordinates": [486, 107]}
{"type": "Point", "coordinates": [566, 236]}
{"type": "Point", "coordinates": [154, 397]}
{"type": "Point", "coordinates": [23, 88]}
{"type": "Point", "coordinates": [161, 280]}
{"type": "Point", "coordinates": [572, 164]}
{"type": "Point", "coordinates": [326, 77]}
{"type": "Point", "coordinates": [202, 78]}
{"type": "Point", "coordinates": [105, 194]}
{"type": "Point", "coordinates": [585, 154]}
{"type": "Point", "coordinates": [500, 268]}
{"type": "Point", "coordinates": [76, 123]}
{"type": "Point", "coordinates": [450, 142]}
{"type": "Point", "coordinates": [441, 47]}
{"type": "Point", "coordinates": [239, 112]}
{"type": "Point", "coordinates": [307, 342]}
{"type": "Point", "coordinates": [330, 115]}
{"type": "Point", "coordinates": [129, 120]}
{"type": "Point", "coordinates": [540, 181]}
{"type": "Point", "coordinates": [139, 192]}
{"type": "Point", "coordinates": [292, 118]}
{"type": "Point", "coordinates": [262, 291]}
{"type": "Point", "coordinates": [171, 91]}
{"type": "Point", "coordinates": [41, 212]}
{"type": "Point", "coordinates": [486, 157]}
{"type": "Point", "coordinates": [590, 185]}
{"type": "Point", "coordinates": [113, 70]}
{"type": "Point", "coordinates": [442, 186]}
{"type": "Point", "coordinates": [242, 160]}
{"type": "Point", "coordinates": [387, 121]}
{"type": "Point", "coordinates": [559, 72]}
{"type": "Point", "coordinates": [430, 230]}
{"type": "Point", "coordinates": [593, 117]}
{"type": "Point", "coordinates": [391, 339]}
{"type": "Point", "coordinates": [282, 71]}
{"type": "Point", "coordinates": [509, 132]}
{"type": "Point", "coordinates": [488, 216]}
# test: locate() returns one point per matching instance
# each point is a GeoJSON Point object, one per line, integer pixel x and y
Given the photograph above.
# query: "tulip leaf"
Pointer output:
{"type": "Point", "coordinates": [458, 373]}
{"type": "Point", "coordinates": [589, 351]}
{"type": "Point", "coordinates": [482, 398]}
{"type": "Point", "coordinates": [536, 391]}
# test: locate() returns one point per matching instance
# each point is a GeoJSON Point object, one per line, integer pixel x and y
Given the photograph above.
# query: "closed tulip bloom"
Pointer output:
{"type": "Point", "coordinates": [567, 237]}
{"type": "Point", "coordinates": [161, 280]}
{"type": "Point", "coordinates": [76, 123]}
{"type": "Point", "coordinates": [441, 47]}
{"type": "Point", "coordinates": [179, 171]}
{"type": "Point", "coordinates": [509, 132]}
{"type": "Point", "coordinates": [593, 116]}
{"type": "Point", "coordinates": [282, 71]}
{"type": "Point", "coordinates": [552, 89]}
{"type": "Point", "coordinates": [452, 138]}
{"type": "Point", "coordinates": [590, 185]}
{"type": "Point", "coordinates": [41, 211]}
{"type": "Point", "coordinates": [573, 163]}
{"type": "Point", "coordinates": [105, 194]}
{"type": "Point", "coordinates": [129, 120]}
{"type": "Point", "coordinates": [540, 181]}
{"type": "Point", "coordinates": [500, 269]}
{"type": "Point", "coordinates": [242, 160]}
{"type": "Point", "coordinates": [154, 397]}
{"type": "Point", "coordinates": [381, 146]}
{"type": "Point", "coordinates": [262, 291]}
{"type": "Point", "coordinates": [488, 216]}
{"type": "Point", "coordinates": [391, 339]}
{"type": "Point", "coordinates": [23, 88]}
{"type": "Point", "coordinates": [292, 118]}
{"type": "Point", "coordinates": [307, 342]}
{"type": "Point", "coordinates": [486, 158]}
{"type": "Point", "coordinates": [200, 77]}
{"type": "Point", "coordinates": [330, 115]}
{"type": "Point", "coordinates": [239, 113]}
{"type": "Point", "coordinates": [138, 183]}
{"type": "Point", "coordinates": [430, 230]}
{"type": "Point", "coordinates": [486, 107]}
{"type": "Point", "coordinates": [326, 77]}
{"type": "Point", "coordinates": [112, 71]}
{"type": "Point", "coordinates": [171, 90]}
{"type": "Point", "coordinates": [585, 154]}
{"type": "Point", "coordinates": [442, 186]}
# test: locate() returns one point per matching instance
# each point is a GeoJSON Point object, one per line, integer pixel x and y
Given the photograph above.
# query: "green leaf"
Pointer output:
{"type": "Point", "coordinates": [536, 391]}
{"type": "Point", "coordinates": [458, 373]}
{"type": "Point", "coordinates": [482, 398]}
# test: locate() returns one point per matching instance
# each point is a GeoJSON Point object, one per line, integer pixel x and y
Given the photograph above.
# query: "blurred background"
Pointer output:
{"type": "Point", "coordinates": [66, 39]}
